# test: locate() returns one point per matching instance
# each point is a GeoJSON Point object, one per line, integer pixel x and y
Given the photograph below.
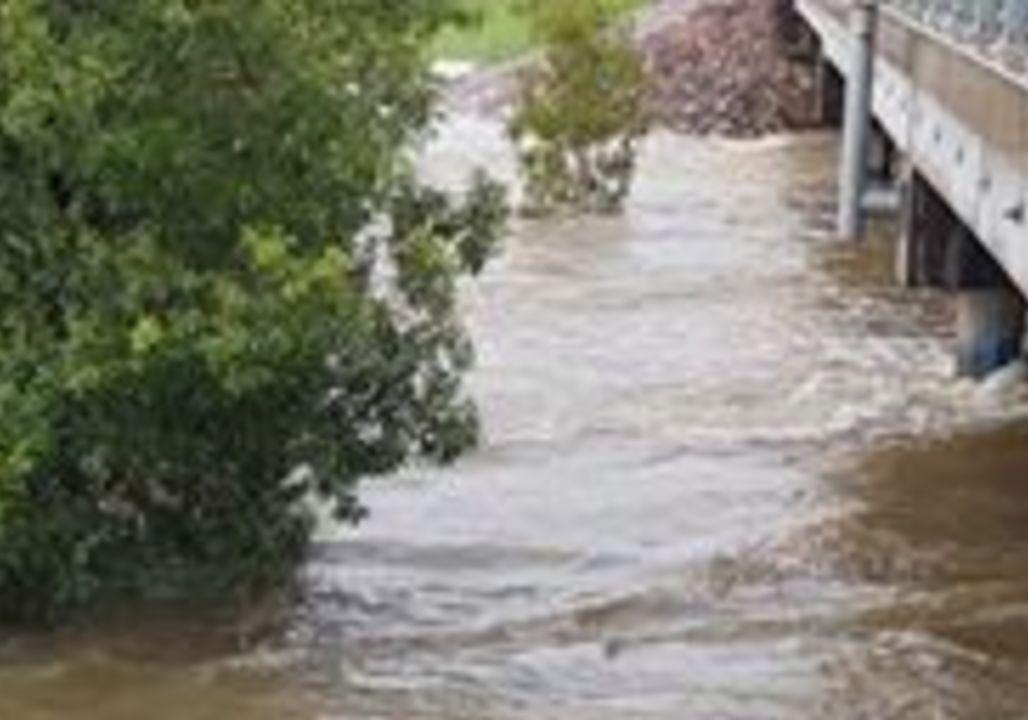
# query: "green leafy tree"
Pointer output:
{"type": "Point", "coordinates": [221, 291]}
{"type": "Point", "coordinates": [582, 108]}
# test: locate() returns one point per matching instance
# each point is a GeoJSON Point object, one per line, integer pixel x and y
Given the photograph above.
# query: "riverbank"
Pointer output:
{"type": "Point", "coordinates": [716, 69]}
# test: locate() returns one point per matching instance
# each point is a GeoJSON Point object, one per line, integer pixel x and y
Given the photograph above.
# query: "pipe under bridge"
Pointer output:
{"type": "Point", "coordinates": [933, 99]}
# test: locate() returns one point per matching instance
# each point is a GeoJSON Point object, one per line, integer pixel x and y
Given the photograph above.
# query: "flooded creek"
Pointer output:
{"type": "Point", "coordinates": [726, 474]}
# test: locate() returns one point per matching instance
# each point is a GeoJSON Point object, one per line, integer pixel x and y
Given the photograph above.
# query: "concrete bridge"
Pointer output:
{"type": "Point", "coordinates": [933, 99]}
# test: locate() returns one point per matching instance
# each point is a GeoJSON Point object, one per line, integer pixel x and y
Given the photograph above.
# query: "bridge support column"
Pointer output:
{"type": "Point", "coordinates": [936, 250]}
{"type": "Point", "coordinates": [828, 93]}
{"type": "Point", "coordinates": [990, 330]}
{"type": "Point", "coordinates": [881, 155]}
{"type": "Point", "coordinates": [925, 227]}
{"type": "Point", "coordinates": [910, 243]}
{"type": "Point", "coordinates": [857, 124]}
{"type": "Point", "coordinates": [990, 310]}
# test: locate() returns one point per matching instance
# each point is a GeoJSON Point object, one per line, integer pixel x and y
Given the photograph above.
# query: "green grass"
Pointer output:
{"type": "Point", "coordinates": [501, 34]}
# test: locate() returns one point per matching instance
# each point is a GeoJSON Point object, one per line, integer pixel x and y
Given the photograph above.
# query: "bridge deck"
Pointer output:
{"type": "Point", "coordinates": [957, 112]}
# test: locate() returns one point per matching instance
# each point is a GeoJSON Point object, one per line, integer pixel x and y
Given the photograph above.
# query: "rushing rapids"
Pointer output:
{"type": "Point", "coordinates": [726, 475]}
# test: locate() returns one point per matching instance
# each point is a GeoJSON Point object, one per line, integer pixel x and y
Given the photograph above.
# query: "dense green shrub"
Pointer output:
{"type": "Point", "coordinates": [221, 292]}
{"type": "Point", "coordinates": [582, 108]}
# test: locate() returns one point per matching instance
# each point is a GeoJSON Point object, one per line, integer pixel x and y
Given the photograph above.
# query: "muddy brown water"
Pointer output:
{"type": "Point", "coordinates": [726, 474]}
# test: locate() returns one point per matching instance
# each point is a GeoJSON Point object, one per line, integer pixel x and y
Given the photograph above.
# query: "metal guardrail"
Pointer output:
{"type": "Point", "coordinates": [998, 28]}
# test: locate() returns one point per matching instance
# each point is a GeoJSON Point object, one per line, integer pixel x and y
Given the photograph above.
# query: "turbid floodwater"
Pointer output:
{"type": "Point", "coordinates": [726, 474]}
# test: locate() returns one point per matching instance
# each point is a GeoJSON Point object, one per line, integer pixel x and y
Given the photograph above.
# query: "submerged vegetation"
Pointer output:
{"type": "Point", "coordinates": [582, 109]}
{"type": "Point", "coordinates": [221, 291]}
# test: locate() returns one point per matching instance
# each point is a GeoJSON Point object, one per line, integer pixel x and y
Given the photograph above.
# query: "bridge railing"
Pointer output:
{"type": "Point", "coordinates": [998, 28]}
